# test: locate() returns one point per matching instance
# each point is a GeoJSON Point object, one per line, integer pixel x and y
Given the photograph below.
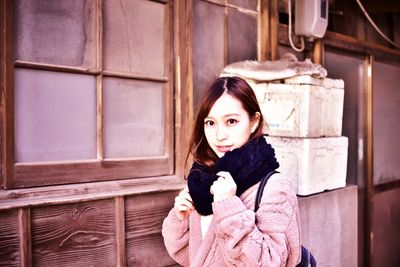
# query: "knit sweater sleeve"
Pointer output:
{"type": "Point", "coordinates": [176, 238]}
{"type": "Point", "coordinates": [270, 237]}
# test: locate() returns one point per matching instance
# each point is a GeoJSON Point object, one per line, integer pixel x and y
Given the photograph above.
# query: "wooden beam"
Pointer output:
{"type": "Point", "coordinates": [61, 194]}
{"type": "Point", "coordinates": [99, 79]}
{"type": "Point", "coordinates": [274, 25]}
{"type": "Point", "coordinates": [349, 44]}
{"type": "Point", "coordinates": [169, 129]}
{"type": "Point", "coordinates": [25, 237]}
{"type": "Point", "coordinates": [378, 6]}
{"type": "Point", "coordinates": [264, 32]}
{"type": "Point", "coordinates": [183, 70]}
{"type": "Point", "coordinates": [7, 93]}
{"type": "Point", "coordinates": [120, 230]}
{"type": "Point", "coordinates": [99, 118]}
{"type": "Point", "coordinates": [41, 174]}
{"type": "Point", "coordinates": [352, 44]}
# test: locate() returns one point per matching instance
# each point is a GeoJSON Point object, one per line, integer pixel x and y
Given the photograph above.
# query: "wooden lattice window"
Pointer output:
{"type": "Point", "coordinates": [88, 91]}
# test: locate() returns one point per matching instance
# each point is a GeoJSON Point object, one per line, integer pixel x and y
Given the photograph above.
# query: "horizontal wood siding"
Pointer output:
{"type": "Point", "coordinates": [9, 241]}
{"type": "Point", "coordinates": [81, 234]}
{"type": "Point", "coordinates": [144, 217]}
{"type": "Point", "coordinates": [116, 231]}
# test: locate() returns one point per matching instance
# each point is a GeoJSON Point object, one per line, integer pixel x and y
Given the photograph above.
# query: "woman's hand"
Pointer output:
{"type": "Point", "coordinates": [224, 187]}
{"type": "Point", "coordinates": [183, 204]}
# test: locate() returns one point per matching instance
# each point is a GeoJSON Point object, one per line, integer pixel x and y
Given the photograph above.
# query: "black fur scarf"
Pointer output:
{"type": "Point", "coordinates": [247, 165]}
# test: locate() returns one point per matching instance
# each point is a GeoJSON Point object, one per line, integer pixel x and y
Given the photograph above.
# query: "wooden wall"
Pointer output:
{"type": "Point", "coordinates": [385, 227]}
{"type": "Point", "coordinates": [119, 231]}
{"type": "Point", "coordinates": [9, 238]}
{"type": "Point", "coordinates": [124, 229]}
{"type": "Point", "coordinates": [118, 223]}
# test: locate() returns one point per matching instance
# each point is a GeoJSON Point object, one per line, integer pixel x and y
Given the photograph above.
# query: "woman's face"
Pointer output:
{"type": "Point", "coordinates": [228, 125]}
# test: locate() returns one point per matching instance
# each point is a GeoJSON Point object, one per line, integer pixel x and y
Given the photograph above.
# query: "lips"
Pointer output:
{"type": "Point", "coordinates": [223, 149]}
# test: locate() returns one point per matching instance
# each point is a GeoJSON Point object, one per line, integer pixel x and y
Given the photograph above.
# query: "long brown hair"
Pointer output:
{"type": "Point", "coordinates": [235, 87]}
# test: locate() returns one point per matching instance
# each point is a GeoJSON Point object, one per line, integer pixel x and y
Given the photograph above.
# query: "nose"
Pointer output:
{"type": "Point", "coordinates": [221, 133]}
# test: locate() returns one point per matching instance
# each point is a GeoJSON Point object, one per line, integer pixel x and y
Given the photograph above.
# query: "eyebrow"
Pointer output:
{"type": "Point", "coordinates": [225, 116]}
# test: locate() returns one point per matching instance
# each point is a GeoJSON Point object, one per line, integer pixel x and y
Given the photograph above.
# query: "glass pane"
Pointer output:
{"type": "Point", "coordinates": [242, 36]}
{"type": "Point", "coordinates": [351, 70]}
{"type": "Point", "coordinates": [135, 36]}
{"type": "Point", "coordinates": [56, 32]}
{"type": "Point", "coordinates": [133, 118]}
{"type": "Point", "coordinates": [208, 57]}
{"type": "Point", "coordinates": [55, 116]}
{"type": "Point", "coordinates": [248, 4]}
{"type": "Point", "coordinates": [386, 126]}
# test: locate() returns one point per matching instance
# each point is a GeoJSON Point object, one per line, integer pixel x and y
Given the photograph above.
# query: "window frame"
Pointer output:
{"type": "Point", "coordinates": [177, 111]}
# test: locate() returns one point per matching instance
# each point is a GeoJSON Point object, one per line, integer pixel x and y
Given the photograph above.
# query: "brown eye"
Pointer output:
{"type": "Point", "coordinates": [232, 122]}
{"type": "Point", "coordinates": [208, 123]}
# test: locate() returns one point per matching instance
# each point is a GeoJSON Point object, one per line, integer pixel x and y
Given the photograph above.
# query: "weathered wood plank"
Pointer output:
{"type": "Point", "coordinates": [349, 44]}
{"type": "Point", "coordinates": [9, 241]}
{"type": "Point", "coordinates": [120, 230]}
{"type": "Point", "coordinates": [28, 175]}
{"type": "Point", "coordinates": [63, 194]}
{"type": "Point", "coordinates": [74, 235]}
{"type": "Point", "coordinates": [183, 45]}
{"type": "Point", "coordinates": [385, 228]}
{"type": "Point", "coordinates": [7, 140]}
{"type": "Point", "coordinates": [25, 236]}
{"type": "Point", "coordinates": [144, 216]}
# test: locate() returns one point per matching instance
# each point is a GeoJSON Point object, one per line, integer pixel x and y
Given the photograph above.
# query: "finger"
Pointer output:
{"type": "Point", "coordinates": [188, 203]}
{"type": "Point", "coordinates": [178, 198]}
{"type": "Point", "coordinates": [184, 198]}
{"type": "Point", "coordinates": [221, 182]}
{"type": "Point", "coordinates": [185, 190]}
{"type": "Point", "coordinates": [226, 175]}
{"type": "Point", "coordinates": [183, 195]}
{"type": "Point", "coordinates": [182, 208]}
{"type": "Point", "coordinates": [184, 205]}
{"type": "Point", "coordinates": [187, 197]}
{"type": "Point", "coordinates": [222, 174]}
{"type": "Point", "coordinates": [216, 186]}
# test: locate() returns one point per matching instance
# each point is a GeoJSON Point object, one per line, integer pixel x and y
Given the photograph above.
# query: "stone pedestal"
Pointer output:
{"type": "Point", "coordinates": [329, 226]}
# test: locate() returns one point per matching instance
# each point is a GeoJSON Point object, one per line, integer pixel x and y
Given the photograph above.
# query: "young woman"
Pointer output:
{"type": "Point", "coordinates": [213, 222]}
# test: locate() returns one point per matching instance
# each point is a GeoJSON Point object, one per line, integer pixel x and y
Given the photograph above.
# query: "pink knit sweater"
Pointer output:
{"type": "Point", "coordinates": [237, 236]}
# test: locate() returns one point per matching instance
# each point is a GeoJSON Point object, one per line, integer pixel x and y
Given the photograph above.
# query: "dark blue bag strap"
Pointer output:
{"type": "Point", "coordinates": [260, 190]}
{"type": "Point", "coordinates": [307, 259]}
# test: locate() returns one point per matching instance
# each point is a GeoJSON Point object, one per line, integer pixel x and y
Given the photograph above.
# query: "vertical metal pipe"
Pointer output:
{"type": "Point", "coordinates": [318, 52]}
{"type": "Point", "coordinates": [369, 207]}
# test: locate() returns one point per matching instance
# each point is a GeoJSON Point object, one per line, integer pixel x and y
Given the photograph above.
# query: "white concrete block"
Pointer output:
{"type": "Point", "coordinates": [316, 164]}
{"type": "Point", "coordinates": [302, 106]}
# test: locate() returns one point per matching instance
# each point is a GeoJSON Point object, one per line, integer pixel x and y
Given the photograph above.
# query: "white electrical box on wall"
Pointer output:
{"type": "Point", "coordinates": [311, 18]}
